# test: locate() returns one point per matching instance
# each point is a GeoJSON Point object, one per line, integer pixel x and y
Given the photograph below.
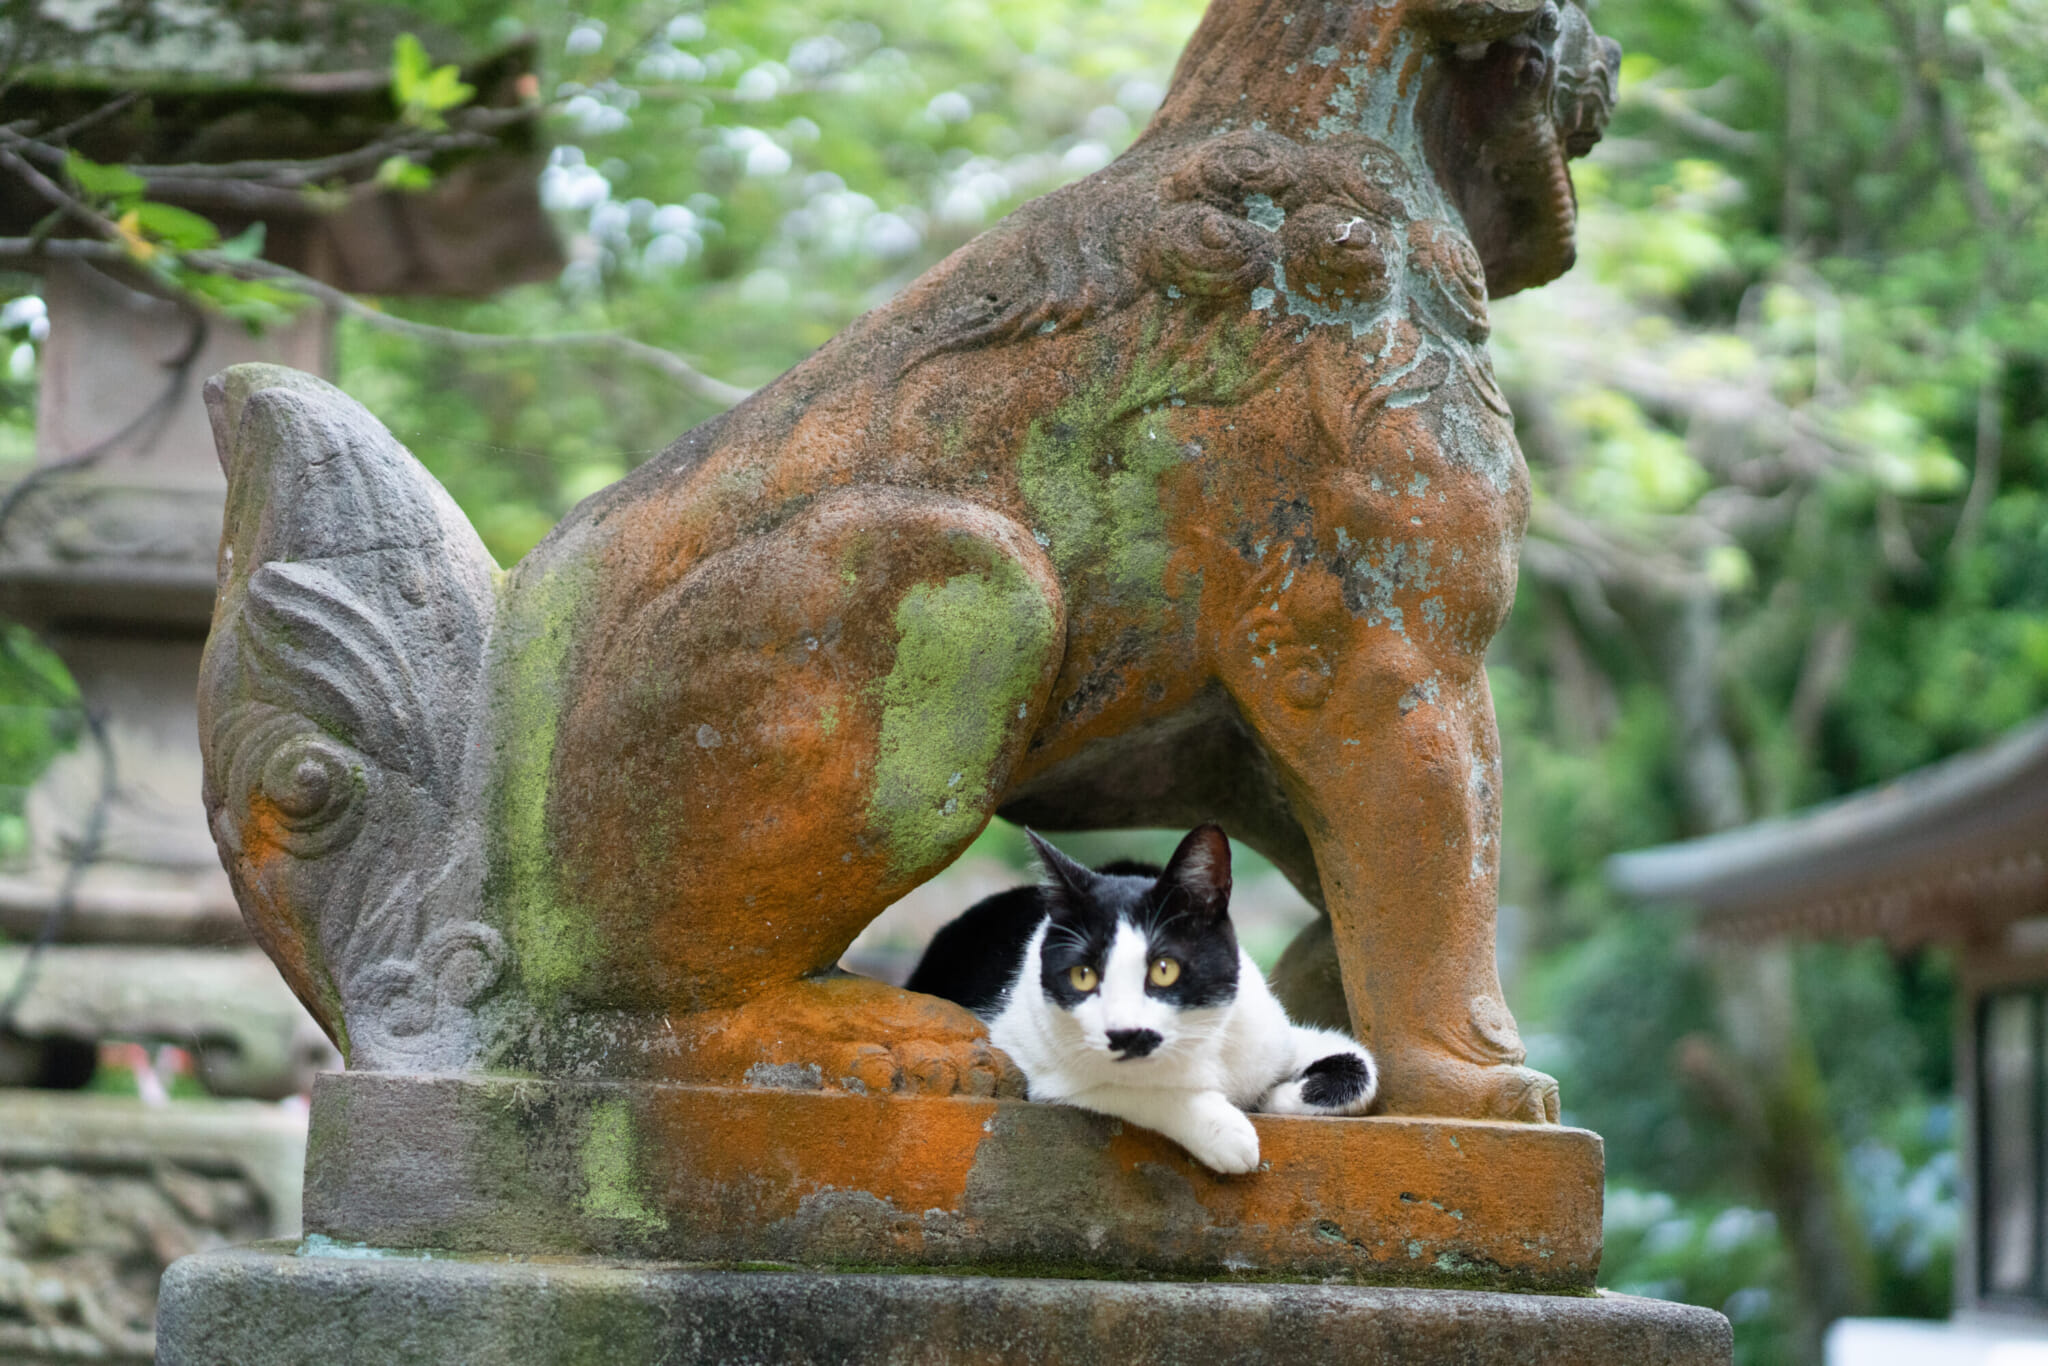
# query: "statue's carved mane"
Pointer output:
{"type": "Point", "coordinates": [1170, 216]}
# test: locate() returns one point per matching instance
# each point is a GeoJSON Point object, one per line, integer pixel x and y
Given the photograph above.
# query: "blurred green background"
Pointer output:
{"type": "Point", "coordinates": [1787, 424]}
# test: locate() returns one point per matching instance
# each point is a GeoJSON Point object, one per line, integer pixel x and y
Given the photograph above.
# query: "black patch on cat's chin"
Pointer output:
{"type": "Point", "coordinates": [1335, 1080]}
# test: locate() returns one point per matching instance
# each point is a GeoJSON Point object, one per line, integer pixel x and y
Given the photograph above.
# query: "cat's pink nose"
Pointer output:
{"type": "Point", "coordinates": [1133, 1043]}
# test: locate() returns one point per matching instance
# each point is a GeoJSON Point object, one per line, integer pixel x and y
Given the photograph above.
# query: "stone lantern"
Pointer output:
{"type": "Point", "coordinates": [109, 551]}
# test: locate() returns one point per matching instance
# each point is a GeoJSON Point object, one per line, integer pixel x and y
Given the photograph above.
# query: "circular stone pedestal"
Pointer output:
{"type": "Point", "coordinates": [267, 1306]}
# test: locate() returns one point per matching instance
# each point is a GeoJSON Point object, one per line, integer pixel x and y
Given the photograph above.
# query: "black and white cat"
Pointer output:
{"type": "Point", "coordinates": [1123, 990]}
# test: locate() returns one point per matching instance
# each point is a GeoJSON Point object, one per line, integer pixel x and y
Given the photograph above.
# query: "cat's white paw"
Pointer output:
{"type": "Point", "coordinates": [1285, 1099]}
{"type": "Point", "coordinates": [1224, 1140]}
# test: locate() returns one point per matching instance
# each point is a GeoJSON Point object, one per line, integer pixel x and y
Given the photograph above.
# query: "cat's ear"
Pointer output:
{"type": "Point", "coordinates": [1200, 870]}
{"type": "Point", "coordinates": [1074, 882]}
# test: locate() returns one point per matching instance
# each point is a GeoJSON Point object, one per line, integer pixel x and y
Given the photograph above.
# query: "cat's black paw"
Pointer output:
{"type": "Point", "coordinates": [1340, 1083]}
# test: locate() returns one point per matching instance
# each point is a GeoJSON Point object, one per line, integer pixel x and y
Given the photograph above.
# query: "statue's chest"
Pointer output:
{"type": "Point", "coordinates": [1404, 532]}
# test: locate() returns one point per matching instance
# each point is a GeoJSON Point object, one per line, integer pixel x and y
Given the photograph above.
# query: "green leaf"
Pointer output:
{"type": "Point", "coordinates": [253, 303]}
{"type": "Point", "coordinates": [403, 173]}
{"type": "Point", "coordinates": [176, 227]}
{"type": "Point", "coordinates": [446, 90]}
{"type": "Point", "coordinates": [409, 67]}
{"type": "Point", "coordinates": [95, 181]}
{"type": "Point", "coordinates": [422, 91]}
{"type": "Point", "coordinates": [245, 245]}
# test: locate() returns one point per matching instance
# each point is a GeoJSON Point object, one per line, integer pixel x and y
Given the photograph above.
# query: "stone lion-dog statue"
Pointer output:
{"type": "Point", "coordinates": [1184, 494]}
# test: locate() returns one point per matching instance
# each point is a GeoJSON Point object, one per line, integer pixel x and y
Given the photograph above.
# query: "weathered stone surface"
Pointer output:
{"type": "Point", "coordinates": [824, 1179]}
{"type": "Point", "coordinates": [338, 715]}
{"type": "Point", "coordinates": [247, 1033]}
{"type": "Point", "coordinates": [1185, 494]}
{"type": "Point", "coordinates": [98, 1195]}
{"type": "Point", "coordinates": [264, 1306]}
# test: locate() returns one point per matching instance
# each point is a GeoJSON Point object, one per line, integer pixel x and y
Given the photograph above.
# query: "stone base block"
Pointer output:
{"type": "Point", "coordinates": [736, 1176]}
{"type": "Point", "coordinates": [99, 1193]}
{"type": "Point", "coordinates": [265, 1306]}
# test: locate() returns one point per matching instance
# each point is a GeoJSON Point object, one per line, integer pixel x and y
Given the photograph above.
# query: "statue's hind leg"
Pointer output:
{"type": "Point", "coordinates": [762, 756]}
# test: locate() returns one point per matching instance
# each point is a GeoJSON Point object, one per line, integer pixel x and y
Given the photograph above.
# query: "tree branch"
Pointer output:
{"type": "Point", "coordinates": [1989, 452]}
{"type": "Point", "coordinates": [66, 132]}
{"type": "Point", "coordinates": [1673, 107]}
{"type": "Point", "coordinates": [52, 192]}
{"type": "Point", "coordinates": [693, 380]}
{"type": "Point", "coordinates": [479, 130]}
{"type": "Point", "coordinates": [258, 186]}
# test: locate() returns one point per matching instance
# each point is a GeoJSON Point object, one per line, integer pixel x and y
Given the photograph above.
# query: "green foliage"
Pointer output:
{"type": "Point", "coordinates": [116, 187]}
{"type": "Point", "coordinates": [422, 92]}
{"type": "Point", "coordinates": [157, 237]}
{"type": "Point", "coordinates": [1726, 1256]}
{"type": "Point", "coordinates": [1636, 981]}
{"type": "Point", "coordinates": [737, 184]}
{"type": "Point", "coordinates": [39, 719]}
{"type": "Point", "coordinates": [403, 173]}
{"type": "Point", "coordinates": [256, 304]}
{"type": "Point", "coordinates": [1799, 370]}
{"type": "Point", "coordinates": [179, 229]}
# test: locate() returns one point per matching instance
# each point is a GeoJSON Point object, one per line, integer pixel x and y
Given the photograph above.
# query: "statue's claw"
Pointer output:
{"type": "Point", "coordinates": [846, 1033]}
{"type": "Point", "coordinates": [1528, 1096]}
{"type": "Point", "coordinates": [1430, 1083]}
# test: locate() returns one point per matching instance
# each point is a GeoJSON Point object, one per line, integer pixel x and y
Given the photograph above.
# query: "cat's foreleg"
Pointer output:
{"type": "Point", "coordinates": [1216, 1133]}
{"type": "Point", "coordinates": [1332, 1075]}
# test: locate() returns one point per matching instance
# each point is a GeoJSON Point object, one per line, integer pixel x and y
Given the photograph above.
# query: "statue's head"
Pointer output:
{"type": "Point", "coordinates": [1348, 256]}
{"type": "Point", "coordinates": [1366, 177]}
{"type": "Point", "coordinates": [1483, 101]}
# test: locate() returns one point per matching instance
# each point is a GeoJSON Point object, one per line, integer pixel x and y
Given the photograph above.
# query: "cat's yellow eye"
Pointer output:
{"type": "Point", "coordinates": [1082, 976]}
{"type": "Point", "coordinates": [1165, 971]}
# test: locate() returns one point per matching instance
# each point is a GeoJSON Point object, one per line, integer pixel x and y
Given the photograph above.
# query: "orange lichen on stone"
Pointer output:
{"type": "Point", "coordinates": [774, 1174]}
{"type": "Point", "coordinates": [267, 861]}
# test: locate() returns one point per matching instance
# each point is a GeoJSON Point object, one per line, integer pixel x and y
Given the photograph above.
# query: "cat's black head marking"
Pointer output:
{"type": "Point", "coordinates": [1183, 911]}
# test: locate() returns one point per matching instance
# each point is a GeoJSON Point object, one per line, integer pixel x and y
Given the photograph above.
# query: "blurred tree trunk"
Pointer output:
{"type": "Point", "coordinates": [1763, 1075]}
{"type": "Point", "coordinates": [1762, 1072]}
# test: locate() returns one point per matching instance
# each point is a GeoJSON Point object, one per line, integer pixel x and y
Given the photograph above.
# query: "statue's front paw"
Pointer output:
{"type": "Point", "coordinates": [1430, 1083]}
{"type": "Point", "coordinates": [924, 1067]}
{"type": "Point", "coordinates": [848, 1034]}
{"type": "Point", "coordinates": [1526, 1096]}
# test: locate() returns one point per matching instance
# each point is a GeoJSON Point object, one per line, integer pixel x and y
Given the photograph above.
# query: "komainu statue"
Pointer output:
{"type": "Point", "coordinates": [1184, 494]}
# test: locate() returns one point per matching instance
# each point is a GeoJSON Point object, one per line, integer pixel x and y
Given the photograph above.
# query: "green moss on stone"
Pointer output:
{"type": "Point", "coordinates": [611, 1169]}
{"type": "Point", "coordinates": [968, 656]}
{"type": "Point", "coordinates": [554, 941]}
{"type": "Point", "coordinates": [1092, 470]}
